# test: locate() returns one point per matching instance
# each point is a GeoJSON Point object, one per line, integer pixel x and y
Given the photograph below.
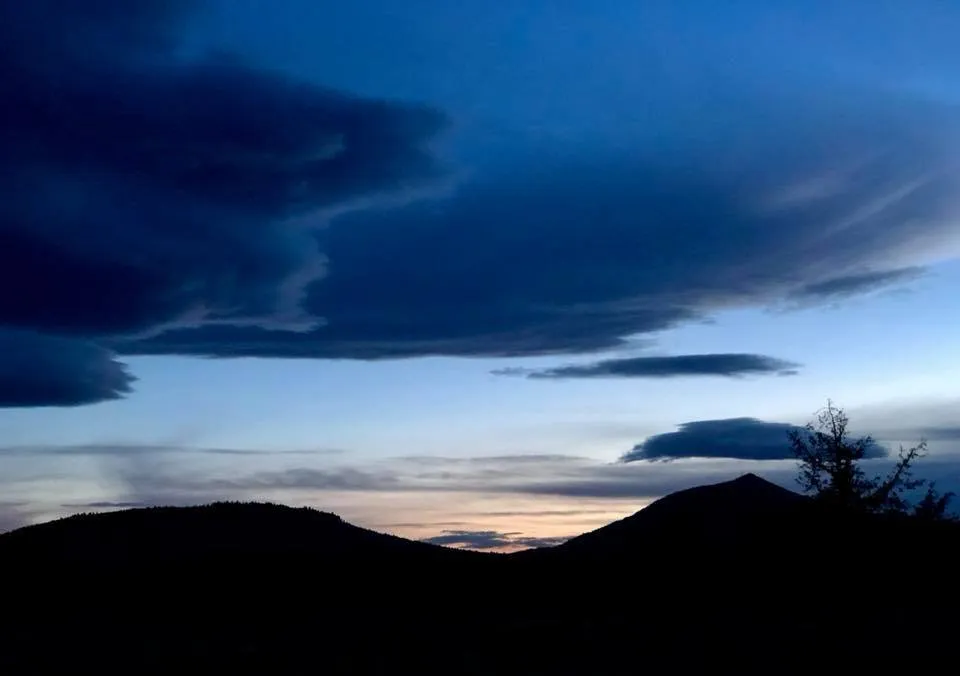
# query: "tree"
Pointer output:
{"type": "Point", "coordinates": [830, 469]}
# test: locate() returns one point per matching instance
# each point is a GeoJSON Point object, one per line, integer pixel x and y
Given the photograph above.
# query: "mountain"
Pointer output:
{"type": "Point", "coordinates": [718, 515]}
{"type": "Point", "coordinates": [738, 575]}
{"type": "Point", "coordinates": [709, 515]}
{"type": "Point", "coordinates": [747, 519]}
{"type": "Point", "coordinates": [188, 535]}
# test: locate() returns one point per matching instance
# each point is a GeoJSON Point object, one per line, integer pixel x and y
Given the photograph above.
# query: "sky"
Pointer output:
{"type": "Point", "coordinates": [489, 274]}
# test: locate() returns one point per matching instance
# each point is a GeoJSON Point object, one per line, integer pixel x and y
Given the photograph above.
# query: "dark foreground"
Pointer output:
{"type": "Point", "coordinates": [742, 576]}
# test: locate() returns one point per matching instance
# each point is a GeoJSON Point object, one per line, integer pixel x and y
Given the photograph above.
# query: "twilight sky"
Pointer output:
{"type": "Point", "coordinates": [488, 273]}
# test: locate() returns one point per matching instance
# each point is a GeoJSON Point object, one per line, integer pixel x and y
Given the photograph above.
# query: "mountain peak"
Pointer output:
{"type": "Point", "coordinates": [751, 481]}
{"type": "Point", "coordinates": [746, 488]}
{"type": "Point", "coordinates": [723, 512]}
{"type": "Point", "coordinates": [749, 478]}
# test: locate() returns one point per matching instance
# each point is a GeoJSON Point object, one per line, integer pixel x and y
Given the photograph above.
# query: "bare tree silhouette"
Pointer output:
{"type": "Point", "coordinates": [830, 469]}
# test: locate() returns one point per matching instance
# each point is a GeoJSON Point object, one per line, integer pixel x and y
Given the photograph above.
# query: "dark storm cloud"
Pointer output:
{"type": "Point", "coordinates": [37, 370]}
{"type": "Point", "coordinates": [734, 438]}
{"type": "Point", "coordinates": [159, 202]}
{"type": "Point", "coordinates": [145, 189]}
{"type": "Point", "coordinates": [730, 365]}
{"type": "Point", "coordinates": [736, 198]}
{"type": "Point", "coordinates": [490, 539]}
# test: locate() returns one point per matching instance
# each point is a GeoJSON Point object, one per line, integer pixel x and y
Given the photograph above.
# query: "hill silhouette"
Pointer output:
{"type": "Point", "coordinates": [738, 574]}
{"type": "Point", "coordinates": [732, 512]}
{"type": "Point", "coordinates": [183, 535]}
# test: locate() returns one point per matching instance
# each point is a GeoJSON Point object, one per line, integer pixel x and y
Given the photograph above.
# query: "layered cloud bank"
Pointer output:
{"type": "Point", "coordinates": [799, 198]}
{"type": "Point", "coordinates": [146, 190]}
{"type": "Point", "coordinates": [160, 202]}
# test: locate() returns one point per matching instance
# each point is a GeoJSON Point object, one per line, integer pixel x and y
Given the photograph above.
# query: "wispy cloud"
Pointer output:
{"type": "Point", "coordinates": [155, 450]}
{"type": "Point", "coordinates": [575, 492]}
{"type": "Point", "coordinates": [561, 476]}
{"type": "Point", "coordinates": [837, 288]}
{"type": "Point", "coordinates": [677, 366]}
{"type": "Point", "coordinates": [490, 539]}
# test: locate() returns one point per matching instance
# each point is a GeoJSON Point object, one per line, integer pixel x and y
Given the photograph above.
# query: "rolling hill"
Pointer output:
{"type": "Point", "coordinates": [734, 574]}
{"type": "Point", "coordinates": [186, 535]}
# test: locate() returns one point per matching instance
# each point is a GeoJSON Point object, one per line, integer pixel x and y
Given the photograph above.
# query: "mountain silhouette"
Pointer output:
{"type": "Point", "coordinates": [720, 514]}
{"type": "Point", "coordinates": [181, 535]}
{"type": "Point", "coordinates": [742, 574]}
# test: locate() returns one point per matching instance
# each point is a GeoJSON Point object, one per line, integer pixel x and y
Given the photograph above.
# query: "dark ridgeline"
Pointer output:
{"type": "Point", "coordinates": [738, 575]}
{"type": "Point", "coordinates": [186, 535]}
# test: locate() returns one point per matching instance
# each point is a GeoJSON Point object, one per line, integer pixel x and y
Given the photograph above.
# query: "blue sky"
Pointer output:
{"type": "Point", "coordinates": [332, 277]}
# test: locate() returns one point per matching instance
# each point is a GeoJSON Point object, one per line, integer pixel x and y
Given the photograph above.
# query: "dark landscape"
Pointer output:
{"type": "Point", "coordinates": [736, 574]}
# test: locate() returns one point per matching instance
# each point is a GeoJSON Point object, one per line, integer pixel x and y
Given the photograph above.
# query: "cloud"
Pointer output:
{"type": "Point", "coordinates": [38, 370]}
{"type": "Point", "coordinates": [140, 479]}
{"type": "Point", "coordinates": [162, 202]}
{"type": "Point", "coordinates": [544, 512]}
{"type": "Point", "coordinates": [148, 189]}
{"type": "Point", "coordinates": [740, 446]}
{"type": "Point", "coordinates": [494, 491]}
{"type": "Point", "coordinates": [165, 202]}
{"type": "Point", "coordinates": [730, 365]}
{"type": "Point", "coordinates": [852, 285]}
{"type": "Point", "coordinates": [13, 514]}
{"type": "Point", "coordinates": [154, 450]}
{"type": "Point", "coordinates": [336, 479]}
{"type": "Point", "coordinates": [944, 436]}
{"type": "Point", "coordinates": [490, 539]}
{"type": "Point", "coordinates": [735, 438]}
{"type": "Point", "coordinates": [108, 504]}
{"type": "Point", "coordinates": [735, 196]}
{"type": "Point", "coordinates": [932, 418]}
{"type": "Point", "coordinates": [940, 433]}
